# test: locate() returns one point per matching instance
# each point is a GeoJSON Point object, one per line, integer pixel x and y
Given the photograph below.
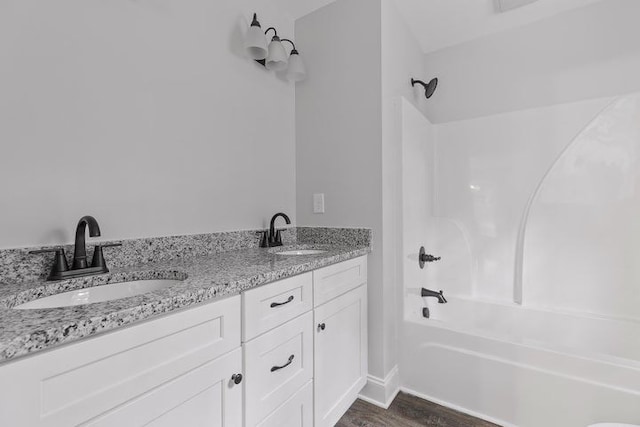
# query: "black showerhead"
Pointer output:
{"type": "Point", "coordinates": [429, 88]}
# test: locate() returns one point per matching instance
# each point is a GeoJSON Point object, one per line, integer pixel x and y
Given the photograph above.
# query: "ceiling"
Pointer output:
{"type": "Point", "coordinates": [442, 23]}
{"type": "Point", "coordinates": [298, 8]}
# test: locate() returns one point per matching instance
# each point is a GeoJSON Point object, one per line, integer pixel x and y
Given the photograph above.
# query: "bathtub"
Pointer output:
{"type": "Point", "coordinates": [521, 366]}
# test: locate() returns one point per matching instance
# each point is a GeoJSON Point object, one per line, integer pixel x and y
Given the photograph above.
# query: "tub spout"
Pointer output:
{"type": "Point", "coordinates": [430, 293]}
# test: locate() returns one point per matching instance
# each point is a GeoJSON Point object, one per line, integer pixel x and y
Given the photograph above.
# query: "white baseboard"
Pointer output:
{"type": "Point", "coordinates": [381, 392]}
{"type": "Point", "coordinates": [457, 408]}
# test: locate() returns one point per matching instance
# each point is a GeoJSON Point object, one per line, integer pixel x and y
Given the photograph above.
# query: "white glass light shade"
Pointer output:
{"type": "Point", "coordinates": [255, 43]}
{"type": "Point", "coordinates": [277, 57]}
{"type": "Point", "coordinates": [296, 70]}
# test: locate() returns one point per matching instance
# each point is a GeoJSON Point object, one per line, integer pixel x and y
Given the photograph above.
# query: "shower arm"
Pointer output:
{"type": "Point", "coordinates": [420, 82]}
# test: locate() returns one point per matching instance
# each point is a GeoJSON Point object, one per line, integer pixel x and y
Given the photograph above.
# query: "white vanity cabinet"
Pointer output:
{"type": "Point", "coordinates": [177, 367]}
{"type": "Point", "coordinates": [305, 346]}
{"type": "Point", "coordinates": [292, 353]}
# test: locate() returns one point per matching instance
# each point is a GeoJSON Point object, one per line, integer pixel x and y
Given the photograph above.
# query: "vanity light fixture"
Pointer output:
{"type": "Point", "coordinates": [276, 59]}
{"type": "Point", "coordinates": [273, 56]}
{"type": "Point", "coordinates": [255, 42]}
{"type": "Point", "coordinates": [296, 71]}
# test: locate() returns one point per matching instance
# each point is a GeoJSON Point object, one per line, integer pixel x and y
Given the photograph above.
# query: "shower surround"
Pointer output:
{"type": "Point", "coordinates": [534, 214]}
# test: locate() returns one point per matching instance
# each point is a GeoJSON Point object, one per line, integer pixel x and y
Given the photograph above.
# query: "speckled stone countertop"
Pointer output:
{"type": "Point", "coordinates": [205, 278]}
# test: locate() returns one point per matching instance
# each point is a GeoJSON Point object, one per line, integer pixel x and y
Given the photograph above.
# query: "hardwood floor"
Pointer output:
{"type": "Point", "coordinates": [407, 411]}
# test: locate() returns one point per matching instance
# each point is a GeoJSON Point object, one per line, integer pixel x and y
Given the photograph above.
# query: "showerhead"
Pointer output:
{"type": "Point", "coordinates": [429, 88]}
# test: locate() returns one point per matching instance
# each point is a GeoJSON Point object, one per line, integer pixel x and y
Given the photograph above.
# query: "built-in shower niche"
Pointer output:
{"type": "Point", "coordinates": [581, 246]}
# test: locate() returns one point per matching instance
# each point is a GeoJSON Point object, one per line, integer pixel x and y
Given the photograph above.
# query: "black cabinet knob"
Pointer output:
{"type": "Point", "coordinates": [236, 378]}
{"type": "Point", "coordinates": [321, 326]}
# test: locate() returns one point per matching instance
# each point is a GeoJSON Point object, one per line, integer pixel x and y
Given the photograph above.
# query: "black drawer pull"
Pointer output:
{"type": "Point", "coordinates": [278, 304]}
{"type": "Point", "coordinates": [277, 368]}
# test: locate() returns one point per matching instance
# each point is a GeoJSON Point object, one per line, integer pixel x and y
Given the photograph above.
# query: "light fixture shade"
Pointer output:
{"type": "Point", "coordinates": [296, 70]}
{"type": "Point", "coordinates": [255, 43]}
{"type": "Point", "coordinates": [277, 57]}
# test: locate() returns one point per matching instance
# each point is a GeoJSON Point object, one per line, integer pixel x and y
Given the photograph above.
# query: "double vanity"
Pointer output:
{"type": "Point", "coordinates": [244, 337]}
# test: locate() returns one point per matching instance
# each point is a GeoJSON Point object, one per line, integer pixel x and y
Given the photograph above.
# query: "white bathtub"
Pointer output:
{"type": "Point", "coordinates": [524, 367]}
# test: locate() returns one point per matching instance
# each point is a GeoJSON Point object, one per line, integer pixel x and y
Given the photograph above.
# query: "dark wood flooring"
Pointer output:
{"type": "Point", "coordinates": [407, 411]}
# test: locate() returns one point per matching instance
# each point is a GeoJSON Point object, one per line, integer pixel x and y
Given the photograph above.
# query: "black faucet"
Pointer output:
{"type": "Point", "coordinates": [273, 237]}
{"type": "Point", "coordinates": [80, 249]}
{"type": "Point", "coordinates": [430, 293]}
{"type": "Point", "coordinates": [80, 267]}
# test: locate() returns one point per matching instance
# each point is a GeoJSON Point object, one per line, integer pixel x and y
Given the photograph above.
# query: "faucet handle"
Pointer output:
{"type": "Point", "coordinates": [98, 256]}
{"type": "Point", "coordinates": [60, 261]}
{"type": "Point", "coordinates": [264, 240]}
{"type": "Point", "coordinates": [278, 239]}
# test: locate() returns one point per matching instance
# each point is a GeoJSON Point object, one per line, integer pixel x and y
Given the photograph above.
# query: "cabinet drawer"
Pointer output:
{"type": "Point", "coordinates": [72, 384]}
{"type": "Point", "coordinates": [277, 364]}
{"type": "Point", "coordinates": [295, 412]}
{"type": "Point", "coordinates": [271, 305]}
{"type": "Point", "coordinates": [337, 279]}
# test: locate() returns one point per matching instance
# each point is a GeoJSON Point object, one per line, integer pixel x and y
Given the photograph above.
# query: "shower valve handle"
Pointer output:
{"type": "Point", "coordinates": [424, 257]}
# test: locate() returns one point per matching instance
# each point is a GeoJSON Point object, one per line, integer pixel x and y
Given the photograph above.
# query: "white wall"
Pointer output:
{"type": "Point", "coordinates": [401, 60]}
{"type": "Point", "coordinates": [586, 53]}
{"type": "Point", "coordinates": [143, 114]}
{"type": "Point", "coordinates": [349, 140]}
{"type": "Point", "coordinates": [338, 135]}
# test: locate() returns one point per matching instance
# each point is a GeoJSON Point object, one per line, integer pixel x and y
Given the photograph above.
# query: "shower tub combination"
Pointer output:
{"type": "Point", "coordinates": [563, 348]}
{"type": "Point", "coordinates": [525, 367]}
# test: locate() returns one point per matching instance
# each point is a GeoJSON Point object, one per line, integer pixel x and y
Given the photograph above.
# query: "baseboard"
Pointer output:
{"type": "Point", "coordinates": [381, 392]}
{"type": "Point", "coordinates": [457, 408]}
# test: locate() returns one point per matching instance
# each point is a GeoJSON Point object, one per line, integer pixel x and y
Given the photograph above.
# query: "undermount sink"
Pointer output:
{"type": "Point", "coordinates": [99, 294]}
{"type": "Point", "coordinates": [301, 252]}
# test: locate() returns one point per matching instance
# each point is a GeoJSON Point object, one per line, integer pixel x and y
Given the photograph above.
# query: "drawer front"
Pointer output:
{"type": "Point", "coordinates": [74, 383]}
{"type": "Point", "coordinates": [272, 305]}
{"type": "Point", "coordinates": [295, 412]}
{"type": "Point", "coordinates": [277, 364]}
{"type": "Point", "coordinates": [337, 279]}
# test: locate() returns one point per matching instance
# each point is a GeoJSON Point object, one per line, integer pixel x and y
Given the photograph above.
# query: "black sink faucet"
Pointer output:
{"type": "Point", "coordinates": [80, 249]}
{"type": "Point", "coordinates": [273, 237]}
{"type": "Point", "coordinates": [430, 293]}
{"type": "Point", "coordinates": [80, 266]}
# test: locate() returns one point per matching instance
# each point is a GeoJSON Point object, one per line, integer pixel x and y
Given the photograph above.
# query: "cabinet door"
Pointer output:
{"type": "Point", "coordinates": [206, 396]}
{"type": "Point", "coordinates": [76, 383]}
{"type": "Point", "coordinates": [340, 355]}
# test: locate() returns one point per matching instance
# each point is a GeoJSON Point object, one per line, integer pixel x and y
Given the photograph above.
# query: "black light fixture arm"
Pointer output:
{"type": "Point", "coordinates": [275, 32]}
{"type": "Point", "coordinates": [294, 51]}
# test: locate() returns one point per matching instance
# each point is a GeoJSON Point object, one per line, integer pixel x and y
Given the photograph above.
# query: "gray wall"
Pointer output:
{"type": "Point", "coordinates": [144, 114]}
{"type": "Point", "coordinates": [338, 132]}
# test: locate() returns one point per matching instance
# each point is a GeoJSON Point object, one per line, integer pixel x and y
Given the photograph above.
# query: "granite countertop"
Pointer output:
{"type": "Point", "coordinates": [206, 278]}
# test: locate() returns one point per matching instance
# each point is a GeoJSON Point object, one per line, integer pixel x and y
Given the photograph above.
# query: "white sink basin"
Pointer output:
{"type": "Point", "coordinates": [301, 252]}
{"type": "Point", "coordinates": [98, 294]}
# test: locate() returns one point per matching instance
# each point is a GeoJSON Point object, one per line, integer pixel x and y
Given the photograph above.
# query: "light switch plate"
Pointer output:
{"type": "Point", "coordinates": [318, 203]}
